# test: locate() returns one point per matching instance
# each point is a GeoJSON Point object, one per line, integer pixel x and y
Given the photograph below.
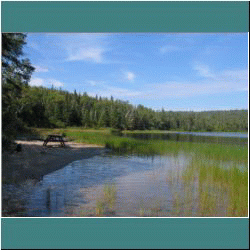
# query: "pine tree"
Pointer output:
{"type": "Point", "coordinates": [16, 72]}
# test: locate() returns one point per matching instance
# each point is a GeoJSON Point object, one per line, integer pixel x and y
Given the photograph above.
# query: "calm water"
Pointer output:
{"type": "Point", "coordinates": [68, 191]}
{"type": "Point", "coordinates": [142, 183]}
{"type": "Point", "coordinates": [206, 137]}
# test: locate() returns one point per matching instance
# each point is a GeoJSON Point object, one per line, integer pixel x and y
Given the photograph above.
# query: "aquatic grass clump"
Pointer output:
{"type": "Point", "coordinates": [211, 188]}
{"type": "Point", "coordinates": [106, 203]}
{"type": "Point", "coordinates": [159, 147]}
{"type": "Point", "coordinates": [100, 207]}
{"type": "Point", "coordinates": [109, 191]}
{"type": "Point", "coordinates": [222, 151]}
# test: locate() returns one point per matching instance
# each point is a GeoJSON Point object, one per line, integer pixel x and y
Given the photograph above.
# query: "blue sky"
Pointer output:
{"type": "Point", "coordinates": [176, 71]}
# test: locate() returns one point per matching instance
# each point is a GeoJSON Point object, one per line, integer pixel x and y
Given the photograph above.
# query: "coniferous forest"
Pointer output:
{"type": "Point", "coordinates": [26, 106]}
{"type": "Point", "coordinates": [43, 107]}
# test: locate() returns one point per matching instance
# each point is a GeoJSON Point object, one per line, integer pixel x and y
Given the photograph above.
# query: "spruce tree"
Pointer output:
{"type": "Point", "coordinates": [16, 73]}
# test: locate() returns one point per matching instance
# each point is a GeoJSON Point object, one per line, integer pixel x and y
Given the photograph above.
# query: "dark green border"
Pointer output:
{"type": "Point", "coordinates": [125, 17]}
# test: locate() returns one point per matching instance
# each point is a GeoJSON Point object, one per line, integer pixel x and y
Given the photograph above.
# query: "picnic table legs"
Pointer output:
{"type": "Point", "coordinates": [54, 140]}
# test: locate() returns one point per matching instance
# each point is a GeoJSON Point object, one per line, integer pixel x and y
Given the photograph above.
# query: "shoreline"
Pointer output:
{"type": "Point", "coordinates": [176, 131]}
{"type": "Point", "coordinates": [35, 160]}
{"type": "Point", "coordinates": [32, 163]}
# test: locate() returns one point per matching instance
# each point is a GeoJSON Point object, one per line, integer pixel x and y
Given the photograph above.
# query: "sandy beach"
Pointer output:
{"type": "Point", "coordinates": [32, 163]}
{"type": "Point", "coordinates": [35, 160]}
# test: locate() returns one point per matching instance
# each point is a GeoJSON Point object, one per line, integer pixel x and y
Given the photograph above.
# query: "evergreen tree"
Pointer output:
{"type": "Point", "coordinates": [16, 72]}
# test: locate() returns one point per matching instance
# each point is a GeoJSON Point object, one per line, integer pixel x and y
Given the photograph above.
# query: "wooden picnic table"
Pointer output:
{"type": "Point", "coordinates": [54, 138]}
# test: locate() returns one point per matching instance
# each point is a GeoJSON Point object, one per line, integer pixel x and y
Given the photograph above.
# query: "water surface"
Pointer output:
{"type": "Point", "coordinates": [139, 181]}
{"type": "Point", "coordinates": [146, 186]}
{"type": "Point", "coordinates": [202, 137]}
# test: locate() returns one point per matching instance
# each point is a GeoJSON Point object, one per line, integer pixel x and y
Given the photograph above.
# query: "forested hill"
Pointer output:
{"type": "Point", "coordinates": [23, 105]}
{"type": "Point", "coordinates": [43, 107]}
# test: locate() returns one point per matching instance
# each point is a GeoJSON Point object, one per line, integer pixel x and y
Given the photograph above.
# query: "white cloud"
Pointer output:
{"type": "Point", "coordinates": [203, 70]}
{"type": "Point", "coordinates": [235, 75]}
{"type": "Point", "coordinates": [37, 82]}
{"type": "Point", "coordinates": [129, 76]}
{"type": "Point", "coordinates": [55, 83]}
{"type": "Point", "coordinates": [117, 92]}
{"type": "Point", "coordinates": [92, 83]}
{"type": "Point", "coordinates": [222, 82]}
{"type": "Point", "coordinates": [85, 47]}
{"type": "Point", "coordinates": [87, 54]}
{"type": "Point", "coordinates": [39, 69]}
{"type": "Point", "coordinates": [45, 82]}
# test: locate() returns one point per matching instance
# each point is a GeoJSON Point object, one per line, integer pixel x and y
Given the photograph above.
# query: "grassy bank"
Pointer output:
{"type": "Point", "coordinates": [106, 138]}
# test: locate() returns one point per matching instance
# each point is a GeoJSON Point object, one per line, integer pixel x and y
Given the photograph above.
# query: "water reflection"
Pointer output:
{"type": "Point", "coordinates": [203, 137]}
{"type": "Point", "coordinates": [139, 180]}
{"type": "Point", "coordinates": [145, 185]}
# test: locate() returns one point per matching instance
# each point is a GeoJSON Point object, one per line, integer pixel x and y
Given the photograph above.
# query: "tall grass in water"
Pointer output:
{"type": "Point", "coordinates": [105, 137]}
{"type": "Point", "coordinates": [221, 152]}
{"type": "Point", "coordinates": [209, 186]}
{"type": "Point", "coordinates": [106, 203]}
{"type": "Point", "coordinates": [212, 188]}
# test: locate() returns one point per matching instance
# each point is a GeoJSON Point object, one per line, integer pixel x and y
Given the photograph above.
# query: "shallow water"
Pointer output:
{"type": "Point", "coordinates": [139, 181]}
{"type": "Point", "coordinates": [145, 186]}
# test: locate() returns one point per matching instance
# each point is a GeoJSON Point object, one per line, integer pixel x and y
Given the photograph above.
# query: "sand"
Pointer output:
{"type": "Point", "coordinates": [35, 160]}
{"type": "Point", "coordinates": [32, 163]}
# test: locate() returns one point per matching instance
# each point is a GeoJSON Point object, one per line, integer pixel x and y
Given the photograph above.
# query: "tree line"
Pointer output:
{"type": "Point", "coordinates": [23, 105]}
{"type": "Point", "coordinates": [44, 107]}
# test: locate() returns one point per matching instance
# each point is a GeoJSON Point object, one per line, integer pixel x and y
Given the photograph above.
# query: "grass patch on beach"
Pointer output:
{"type": "Point", "coordinates": [90, 136]}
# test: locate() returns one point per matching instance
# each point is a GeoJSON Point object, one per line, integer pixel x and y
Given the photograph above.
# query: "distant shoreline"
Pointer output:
{"type": "Point", "coordinates": [176, 131]}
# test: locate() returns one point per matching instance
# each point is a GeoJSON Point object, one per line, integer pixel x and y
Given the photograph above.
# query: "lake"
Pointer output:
{"type": "Point", "coordinates": [204, 137]}
{"type": "Point", "coordinates": [129, 185]}
{"type": "Point", "coordinates": [68, 191]}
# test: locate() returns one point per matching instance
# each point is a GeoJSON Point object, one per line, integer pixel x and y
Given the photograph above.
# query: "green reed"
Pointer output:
{"type": "Point", "coordinates": [120, 144]}
{"type": "Point", "coordinates": [215, 183]}
{"type": "Point", "coordinates": [105, 204]}
{"type": "Point", "coordinates": [212, 188]}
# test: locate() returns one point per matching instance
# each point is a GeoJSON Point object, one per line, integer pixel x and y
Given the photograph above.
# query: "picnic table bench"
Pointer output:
{"type": "Point", "coordinates": [54, 138]}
